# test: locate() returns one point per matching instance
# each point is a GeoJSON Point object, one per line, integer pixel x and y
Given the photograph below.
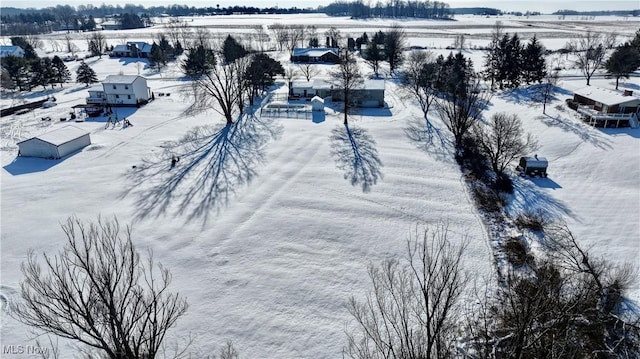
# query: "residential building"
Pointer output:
{"type": "Point", "coordinates": [607, 108]}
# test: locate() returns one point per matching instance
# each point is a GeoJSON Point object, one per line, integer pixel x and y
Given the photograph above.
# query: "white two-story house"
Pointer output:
{"type": "Point", "coordinates": [120, 90]}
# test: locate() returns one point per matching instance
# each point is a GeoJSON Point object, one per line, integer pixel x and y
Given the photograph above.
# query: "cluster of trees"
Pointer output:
{"type": "Point", "coordinates": [509, 63]}
{"type": "Point", "coordinates": [625, 59]}
{"type": "Point", "coordinates": [30, 71]}
{"type": "Point", "coordinates": [389, 9]}
{"type": "Point", "coordinates": [228, 77]}
{"type": "Point", "coordinates": [384, 46]}
{"type": "Point", "coordinates": [564, 304]}
{"type": "Point", "coordinates": [163, 51]}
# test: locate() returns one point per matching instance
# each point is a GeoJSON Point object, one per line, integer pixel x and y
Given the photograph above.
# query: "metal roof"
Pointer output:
{"type": "Point", "coordinates": [60, 136]}
{"type": "Point", "coordinates": [605, 96]}
{"type": "Point", "coordinates": [120, 79]}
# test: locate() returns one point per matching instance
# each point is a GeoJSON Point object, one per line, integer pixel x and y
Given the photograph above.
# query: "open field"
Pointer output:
{"type": "Point", "coordinates": [271, 261]}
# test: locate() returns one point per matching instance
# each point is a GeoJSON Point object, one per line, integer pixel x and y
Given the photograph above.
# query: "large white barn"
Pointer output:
{"type": "Point", "coordinates": [55, 144]}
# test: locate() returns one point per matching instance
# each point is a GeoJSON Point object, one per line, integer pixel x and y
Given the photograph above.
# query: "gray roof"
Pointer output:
{"type": "Point", "coordinates": [121, 79]}
{"type": "Point", "coordinates": [60, 136]}
{"type": "Point", "coordinates": [314, 51]}
{"type": "Point", "coordinates": [606, 96]}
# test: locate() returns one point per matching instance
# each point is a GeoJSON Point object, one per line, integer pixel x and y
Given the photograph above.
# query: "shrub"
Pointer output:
{"type": "Point", "coordinates": [535, 221]}
{"type": "Point", "coordinates": [516, 252]}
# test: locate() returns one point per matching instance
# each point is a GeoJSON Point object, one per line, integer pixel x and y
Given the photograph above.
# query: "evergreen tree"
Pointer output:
{"type": "Point", "coordinates": [90, 24]}
{"type": "Point", "coordinates": [166, 49]}
{"type": "Point", "coordinates": [61, 73]}
{"type": "Point", "coordinates": [86, 75]}
{"type": "Point", "coordinates": [232, 50]}
{"type": "Point", "coordinates": [157, 57]}
{"type": "Point", "coordinates": [200, 60]}
{"type": "Point", "coordinates": [131, 21]}
{"type": "Point", "coordinates": [513, 62]}
{"type": "Point", "coordinates": [623, 61]}
{"type": "Point", "coordinates": [492, 62]}
{"type": "Point", "coordinates": [501, 61]}
{"type": "Point", "coordinates": [533, 62]}
{"type": "Point", "coordinates": [18, 70]}
{"type": "Point", "coordinates": [29, 51]}
{"type": "Point", "coordinates": [41, 72]}
{"type": "Point", "coordinates": [261, 74]}
{"type": "Point", "coordinates": [373, 55]}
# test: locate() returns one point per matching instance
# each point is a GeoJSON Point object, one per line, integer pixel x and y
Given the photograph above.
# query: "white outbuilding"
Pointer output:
{"type": "Point", "coordinates": [317, 104]}
{"type": "Point", "coordinates": [55, 144]}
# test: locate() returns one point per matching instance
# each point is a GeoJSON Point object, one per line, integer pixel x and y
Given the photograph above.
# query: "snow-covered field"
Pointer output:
{"type": "Point", "coordinates": [272, 267]}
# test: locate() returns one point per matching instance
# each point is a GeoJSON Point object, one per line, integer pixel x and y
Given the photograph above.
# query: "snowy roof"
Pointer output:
{"type": "Point", "coordinates": [96, 88]}
{"type": "Point", "coordinates": [121, 48]}
{"type": "Point", "coordinates": [6, 50]}
{"type": "Point", "coordinates": [605, 96]}
{"type": "Point", "coordinates": [317, 99]}
{"type": "Point", "coordinates": [322, 84]}
{"type": "Point", "coordinates": [373, 84]}
{"type": "Point", "coordinates": [314, 51]}
{"type": "Point", "coordinates": [60, 136]}
{"type": "Point", "coordinates": [141, 45]}
{"type": "Point", "coordinates": [301, 84]}
{"type": "Point", "coordinates": [120, 79]}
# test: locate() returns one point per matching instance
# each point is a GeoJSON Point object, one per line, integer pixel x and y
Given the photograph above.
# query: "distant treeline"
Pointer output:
{"type": "Point", "coordinates": [15, 21]}
{"type": "Point", "coordinates": [476, 11]}
{"type": "Point", "coordinates": [599, 13]}
{"type": "Point", "coordinates": [389, 9]}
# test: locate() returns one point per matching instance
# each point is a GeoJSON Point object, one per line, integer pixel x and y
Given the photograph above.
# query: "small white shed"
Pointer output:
{"type": "Point", "coordinates": [317, 104]}
{"type": "Point", "coordinates": [55, 144]}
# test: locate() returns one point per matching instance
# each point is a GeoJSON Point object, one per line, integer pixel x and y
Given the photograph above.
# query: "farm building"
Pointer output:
{"type": "Point", "coordinates": [607, 108]}
{"type": "Point", "coordinates": [369, 94]}
{"type": "Point", "coordinates": [316, 55]}
{"type": "Point", "coordinates": [120, 90]}
{"type": "Point", "coordinates": [55, 144]}
{"type": "Point", "coordinates": [533, 166]}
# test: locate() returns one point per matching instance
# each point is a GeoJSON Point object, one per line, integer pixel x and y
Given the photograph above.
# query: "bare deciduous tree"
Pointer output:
{"type": "Point", "coordinates": [308, 70]}
{"type": "Point", "coordinates": [417, 79]}
{"type": "Point", "coordinates": [503, 140]}
{"type": "Point", "coordinates": [220, 89]}
{"type": "Point", "coordinates": [96, 43]}
{"type": "Point", "coordinates": [414, 307]}
{"type": "Point", "coordinates": [346, 79]}
{"type": "Point", "coordinates": [546, 89]}
{"type": "Point", "coordinates": [98, 292]}
{"type": "Point", "coordinates": [394, 44]}
{"type": "Point", "coordinates": [460, 110]}
{"type": "Point", "coordinates": [590, 52]}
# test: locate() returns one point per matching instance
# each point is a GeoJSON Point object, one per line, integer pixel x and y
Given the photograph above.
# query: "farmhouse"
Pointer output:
{"type": "Point", "coordinates": [11, 51]}
{"type": "Point", "coordinates": [120, 90]}
{"type": "Point", "coordinates": [316, 55]}
{"type": "Point", "coordinates": [369, 94]}
{"type": "Point", "coordinates": [55, 144]}
{"type": "Point", "coordinates": [132, 49]}
{"type": "Point", "coordinates": [607, 108]}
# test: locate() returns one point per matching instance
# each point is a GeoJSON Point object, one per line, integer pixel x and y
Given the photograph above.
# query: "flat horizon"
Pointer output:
{"type": "Point", "coordinates": [544, 6]}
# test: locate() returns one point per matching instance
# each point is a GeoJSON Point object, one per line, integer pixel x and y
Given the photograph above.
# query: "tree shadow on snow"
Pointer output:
{"type": "Point", "coordinates": [533, 93]}
{"type": "Point", "coordinates": [355, 153]}
{"type": "Point", "coordinates": [530, 197]}
{"type": "Point", "coordinates": [429, 138]}
{"type": "Point", "coordinates": [213, 162]}
{"type": "Point", "coordinates": [585, 132]}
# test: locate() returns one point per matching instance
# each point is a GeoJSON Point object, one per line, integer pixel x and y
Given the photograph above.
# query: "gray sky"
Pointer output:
{"type": "Point", "coordinates": [544, 6]}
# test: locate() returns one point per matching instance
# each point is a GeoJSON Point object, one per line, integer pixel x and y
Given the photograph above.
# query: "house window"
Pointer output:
{"type": "Point", "coordinates": [117, 96]}
{"type": "Point", "coordinates": [114, 87]}
{"type": "Point", "coordinates": [126, 87]}
{"type": "Point", "coordinates": [129, 97]}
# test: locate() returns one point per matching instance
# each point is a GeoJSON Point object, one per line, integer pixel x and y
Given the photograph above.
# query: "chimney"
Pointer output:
{"type": "Point", "coordinates": [627, 93]}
